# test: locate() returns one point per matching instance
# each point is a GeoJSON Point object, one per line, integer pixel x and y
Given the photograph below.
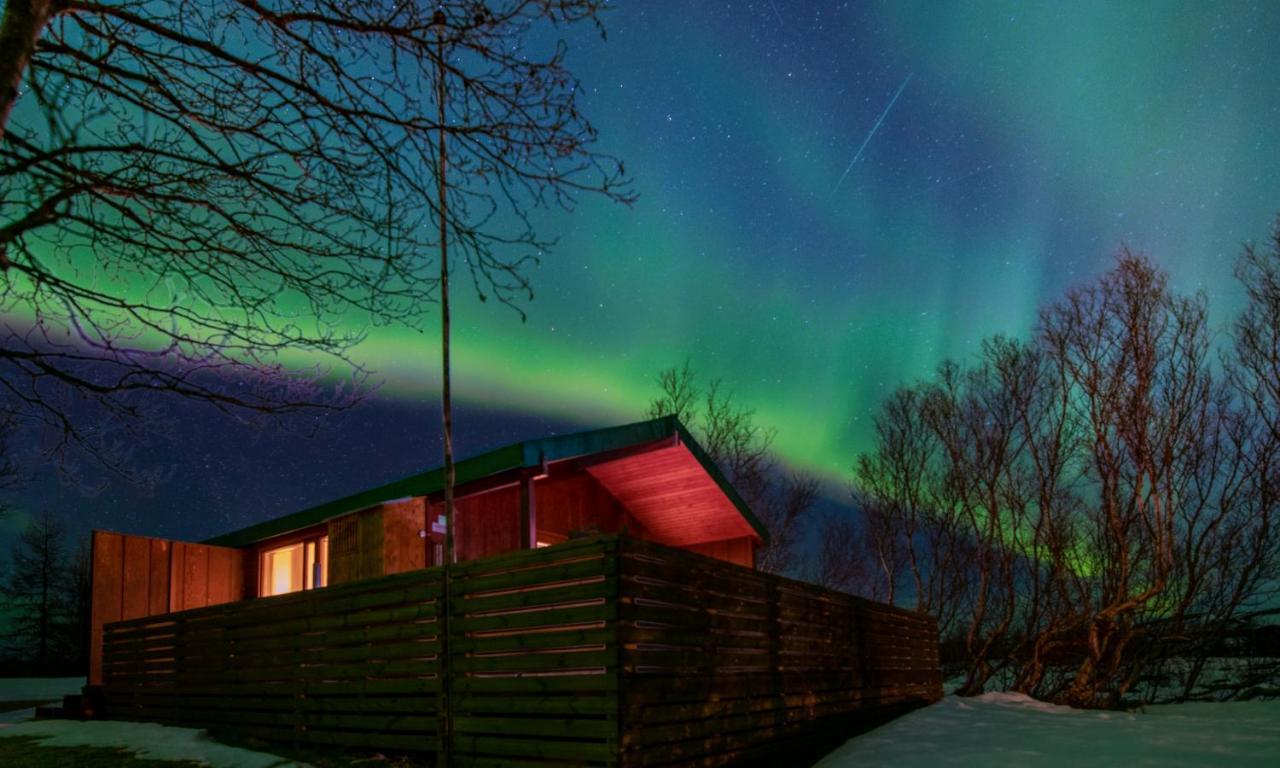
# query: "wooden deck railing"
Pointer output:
{"type": "Point", "coordinates": [596, 652]}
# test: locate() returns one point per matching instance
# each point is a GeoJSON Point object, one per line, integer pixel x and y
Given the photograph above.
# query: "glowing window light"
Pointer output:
{"type": "Point", "coordinates": [291, 568]}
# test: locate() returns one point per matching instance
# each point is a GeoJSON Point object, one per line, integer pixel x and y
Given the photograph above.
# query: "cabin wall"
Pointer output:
{"type": "Point", "coordinates": [488, 523]}
{"type": "Point", "coordinates": [576, 503]}
{"type": "Point", "coordinates": [379, 541]}
{"type": "Point", "coordinates": [566, 504]}
{"type": "Point", "coordinates": [138, 576]}
{"type": "Point", "coordinates": [355, 546]}
{"type": "Point", "coordinates": [403, 524]}
{"type": "Point", "coordinates": [737, 551]}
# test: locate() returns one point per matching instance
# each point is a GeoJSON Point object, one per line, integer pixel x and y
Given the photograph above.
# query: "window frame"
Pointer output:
{"type": "Point", "coordinates": [314, 536]}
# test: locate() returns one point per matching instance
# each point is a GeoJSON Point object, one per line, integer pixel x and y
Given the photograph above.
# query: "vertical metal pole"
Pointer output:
{"type": "Point", "coordinates": [446, 393]}
{"type": "Point", "coordinates": [446, 407]}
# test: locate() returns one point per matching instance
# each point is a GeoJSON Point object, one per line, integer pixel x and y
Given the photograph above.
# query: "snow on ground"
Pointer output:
{"type": "Point", "coordinates": [148, 740]}
{"type": "Point", "coordinates": [37, 688]}
{"type": "Point", "coordinates": [1009, 729]}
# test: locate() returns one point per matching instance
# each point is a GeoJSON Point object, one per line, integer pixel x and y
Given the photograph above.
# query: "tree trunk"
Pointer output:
{"type": "Point", "coordinates": [23, 22]}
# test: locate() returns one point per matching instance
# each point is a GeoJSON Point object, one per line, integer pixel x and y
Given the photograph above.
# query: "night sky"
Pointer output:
{"type": "Point", "coordinates": [834, 197]}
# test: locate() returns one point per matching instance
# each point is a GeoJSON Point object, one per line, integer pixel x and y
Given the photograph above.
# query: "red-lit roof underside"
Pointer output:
{"type": "Point", "coordinates": [671, 494]}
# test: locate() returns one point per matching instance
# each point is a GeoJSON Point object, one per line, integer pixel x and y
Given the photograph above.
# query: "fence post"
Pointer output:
{"type": "Point", "coordinates": [446, 672]}
{"type": "Point", "coordinates": [775, 657]}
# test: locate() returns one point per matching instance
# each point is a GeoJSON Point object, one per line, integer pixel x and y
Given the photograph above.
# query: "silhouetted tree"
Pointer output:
{"type": "Point", "coordinates": [742, 450]}
{"type": "Point", "coordinates": [79, 604]}
{"type": "Point", "coordinates": [34, 589]}
{"type": "Point", "coordinates": [202, 199]}
{"type": "Point", "coordinates": [1080, 508]}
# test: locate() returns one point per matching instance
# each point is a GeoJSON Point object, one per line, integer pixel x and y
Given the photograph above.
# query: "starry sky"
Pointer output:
{"type": "Point", "coordinates": [833, 198]}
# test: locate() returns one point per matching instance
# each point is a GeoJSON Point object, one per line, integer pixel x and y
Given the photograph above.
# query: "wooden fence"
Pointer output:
{"type": "Point", "coordinates": [722, 663]}
{"type": "Point", "coordinates": [351, 665]}
{"type": "Point", "coordinates": [135, 576]}
{"type": "Point", "coordinates": [597, 652]}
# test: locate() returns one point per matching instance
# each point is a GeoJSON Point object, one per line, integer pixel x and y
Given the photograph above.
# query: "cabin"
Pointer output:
{"type": "Point", "coordinates": [596, 574]}
{"type": "Point", "coordinates": [650, 479]}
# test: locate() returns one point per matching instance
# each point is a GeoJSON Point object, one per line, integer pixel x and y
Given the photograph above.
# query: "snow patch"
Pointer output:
{"type": "Point", "coordinates": [148, 740]}
{"type": "Point", "coordinates": [1011, 699]}
{"type": "Point", "coordinates": [1013, 730]}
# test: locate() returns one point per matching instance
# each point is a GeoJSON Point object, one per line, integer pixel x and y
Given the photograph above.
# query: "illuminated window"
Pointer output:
{"type": "Point", "coordinates": [304, 565]}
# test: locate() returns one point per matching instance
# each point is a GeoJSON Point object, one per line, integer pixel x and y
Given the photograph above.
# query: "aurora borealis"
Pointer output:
{"type": "Point", "coordinates": [1031, 141]}
{"type": "Point", "coordinates": [1027, 143]}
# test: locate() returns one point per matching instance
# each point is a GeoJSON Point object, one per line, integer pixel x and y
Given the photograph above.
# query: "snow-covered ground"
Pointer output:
{"type": "Point", "coordinates": [148, 740]}
{"type": "Point", "coordinates": [1009, 729]}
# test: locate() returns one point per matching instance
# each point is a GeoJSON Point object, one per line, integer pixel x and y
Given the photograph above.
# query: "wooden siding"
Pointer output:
{"type": "Point", "coordinates": [737, 551]}
{"type": "Point", "coordinates": [136, 576]}
{"type": "Point", "coordinates": [355, 665]}
{"type": "Point", "coordinates": [723, 663]}
{"type": "Point", "coordinates": [379, 541]}
{"type": "Point", "coordinates": [488, 523]}
{"type": "Point", "coordinates": [355, 546]}
{"type": "Point", "coordinates": [404, 547]}
{"type": "Point", "coordinates": [602, 651]}
{"type": "Point", "coordinates": [576, 503]}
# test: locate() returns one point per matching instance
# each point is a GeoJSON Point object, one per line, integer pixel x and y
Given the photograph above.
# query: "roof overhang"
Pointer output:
{"type": "Point", "coordinates": [670, 492]}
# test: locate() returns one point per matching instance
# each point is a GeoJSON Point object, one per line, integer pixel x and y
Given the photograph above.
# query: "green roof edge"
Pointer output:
{"type": "Point", "coordinates": [529, 453]}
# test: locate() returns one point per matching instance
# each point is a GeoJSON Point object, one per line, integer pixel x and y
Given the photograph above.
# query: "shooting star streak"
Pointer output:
{"type": "Point", "coordinates": [874, 128]}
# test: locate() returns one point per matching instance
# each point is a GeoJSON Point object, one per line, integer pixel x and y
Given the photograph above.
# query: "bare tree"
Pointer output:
{"type": "Point", "coordinates": [915, 530]}
{"type": "Point", "coordinates": [10, 475]}
{"type": "Point", "coordinates": [848, 558]}
{"type": "Point", "coordinates": [1080, 509]}
{"type": "Point", "coordinates": [209, 199]}
{"type": "Point", "coordinates": [742, 450]}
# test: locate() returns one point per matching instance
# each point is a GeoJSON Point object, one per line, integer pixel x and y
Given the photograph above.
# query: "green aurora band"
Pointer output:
{"type": "Point", "coordinates": [1031, 142]}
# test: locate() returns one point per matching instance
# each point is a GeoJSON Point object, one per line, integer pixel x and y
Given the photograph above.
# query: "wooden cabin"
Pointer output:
{"type": "Point", "coordinates": [606, 613]}
{"type": "Point", "coordinates": [650, 480]}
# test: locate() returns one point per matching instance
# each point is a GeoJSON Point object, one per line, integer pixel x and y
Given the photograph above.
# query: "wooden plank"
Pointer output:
{"type": "Point", "coordinates": [135, 600]}
{"type": "Point", "coordinates": [107, 571]}
{"type": "Point", "coordinates": [158, 589]}
{"type": "Point", "coordinates": [404, 546]}
{"type": "Point", "coordinates": [195, 576]}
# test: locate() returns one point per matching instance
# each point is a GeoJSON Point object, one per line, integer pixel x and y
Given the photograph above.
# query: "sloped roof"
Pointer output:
{"type": "Point", "coordinates": [523, 455]}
